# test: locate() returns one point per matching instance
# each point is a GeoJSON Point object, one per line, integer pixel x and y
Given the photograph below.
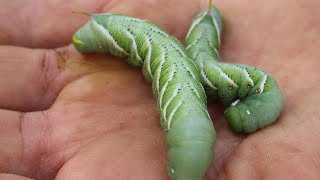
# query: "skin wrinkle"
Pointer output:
{"type": "Point", "coordinates": [79, 135]}
{"type": "Point", "coordinates": [127, 147]}
{"type": "Point", "coordinates": [10, 127]}
{"type": "Point", "coordinates": [82, 134]}
{"type": "Point", "coordinates": [23, 146]}
{"type": "Point", "coordinates": [155, 146]}
{"type": "Point", "coordinates": [46, 70]}
{"type": "Point", "coordinates": [219, 162]}
{"type": "Point", "coordinates": [246, 164]}
{"type": "Point", "coordinates": [49, 74]}
{"type": "Point", "coordinates": [47, 147]}
{"type": "Point", "coordinates": [33, 143]}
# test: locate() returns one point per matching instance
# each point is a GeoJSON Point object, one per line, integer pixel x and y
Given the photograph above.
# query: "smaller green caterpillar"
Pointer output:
{"type": "Point", "coordinates": [252, 97]}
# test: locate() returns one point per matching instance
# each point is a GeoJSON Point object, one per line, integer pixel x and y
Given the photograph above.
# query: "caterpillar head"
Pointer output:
{"type": "Point", "coordinates": [96, 36]}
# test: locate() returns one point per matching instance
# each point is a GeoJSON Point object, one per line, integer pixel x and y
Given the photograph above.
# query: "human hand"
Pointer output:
{"type": "Point", "coordinates": [71, 116]}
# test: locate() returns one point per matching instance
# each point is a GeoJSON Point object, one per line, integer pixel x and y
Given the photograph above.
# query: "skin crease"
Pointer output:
{"type": "Point", "coordinates": [68, 116]}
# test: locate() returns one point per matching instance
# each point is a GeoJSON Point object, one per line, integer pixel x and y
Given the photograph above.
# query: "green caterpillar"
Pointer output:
{"type": "Point", "coordinates": [175, 80]}
{"type": "Point", "coordinates": [252, 97]}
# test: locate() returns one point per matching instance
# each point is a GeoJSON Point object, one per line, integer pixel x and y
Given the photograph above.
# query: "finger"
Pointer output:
{"type": "Point", "coordinates": [42, 23]}
{"type": "Point", "coordinates": [54, 23]}
{"type": "Point", "coordinates": [10, 140]}
{"type": "Point", "coordinates": [30, 79]}
{"type": "Point", "coordinates": [12, 177]}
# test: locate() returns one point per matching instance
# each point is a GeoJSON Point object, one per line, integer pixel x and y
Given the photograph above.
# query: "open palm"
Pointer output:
{"type": "Point", "coordinates": [69, 116]}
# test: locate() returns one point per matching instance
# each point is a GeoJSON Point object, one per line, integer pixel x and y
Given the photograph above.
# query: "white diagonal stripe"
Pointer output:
{"type": "Point", "coordinates": [159, 69]}
{"type": "Point", "coordinates": [195, 90]}
{"type": "Point", "coordinates": [264, 79]}
{"type": "Point", "coordinates": [190, 45]}
{"type": "Point", "coordinates": [247, 76]}
{"type": "Point", "coordinates": [206, 80]}
{"type": "Point", "coordinates": [109, 37]}
{"type": "Point", "coordinates": [235, 102]}
{"type": "Point", "coordinates": [164, 109]}
{"type": "Point", "coordinates": [217, 52]}
{"type": "Point", "coordinates": [225, 76]}
{"type": "Point", "coordinates": [216, 26]}
{"type": "Point", "coordinates": [194, 23]}
{"type": "Point", "coordinates": [134, 46]}
{"type": "Point", "coordinates": [148, 57]}
{"type": "Point", "coordinates": [164, 88]}
{"type": "Point", "coordinates": [172, 114]}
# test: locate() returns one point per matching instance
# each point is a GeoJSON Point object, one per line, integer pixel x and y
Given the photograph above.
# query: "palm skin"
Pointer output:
{"type": "Point", "coordinates": [69, 116]}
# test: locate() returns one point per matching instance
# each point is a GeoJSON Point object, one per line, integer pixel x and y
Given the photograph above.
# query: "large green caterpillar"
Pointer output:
{"type": "Point", "coordinates": [253, 98]}
{"type": "Point", "coordinates": [175, 80]}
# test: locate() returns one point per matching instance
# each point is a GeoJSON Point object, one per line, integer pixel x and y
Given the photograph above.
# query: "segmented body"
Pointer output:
{"type": "Point", "coordinates": [176, 84]}
{"type": "Point", "coordinates": [253, 98]}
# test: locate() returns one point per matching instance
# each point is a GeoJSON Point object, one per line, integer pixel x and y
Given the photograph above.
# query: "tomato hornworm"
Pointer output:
{"type": "Point", "coordinates": [252, 97]}
{"type": "Point", "coordinates": [181, 99]}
